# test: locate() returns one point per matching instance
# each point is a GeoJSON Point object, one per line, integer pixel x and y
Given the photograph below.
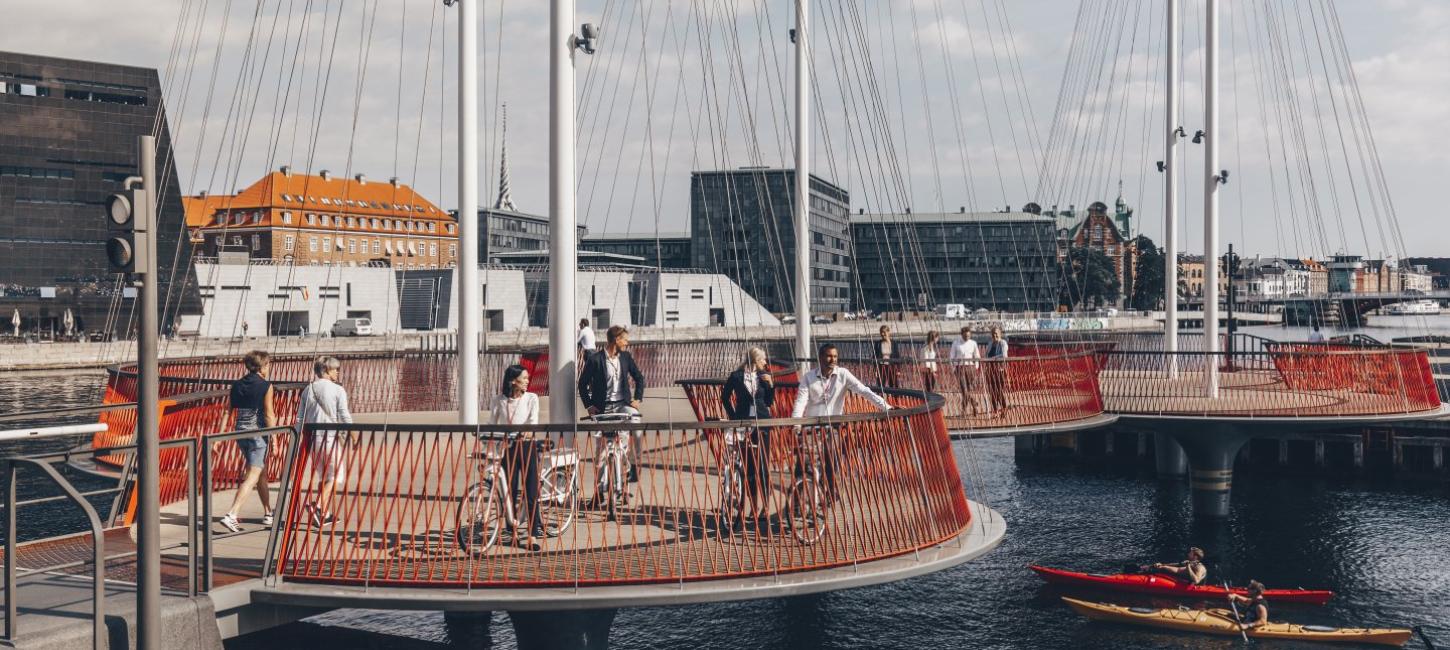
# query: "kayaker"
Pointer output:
{"type": "Point", "coordinates": [1256, 608]}
{"type": "Point", "coordinates": [1191, 568]}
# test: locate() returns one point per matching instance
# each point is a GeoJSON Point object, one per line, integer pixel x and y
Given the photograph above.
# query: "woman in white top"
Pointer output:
{"type": "Point", "coordinates": [964, 357]}
{"type": "Point", "coordinates": [928, 356]}
{"type": "Point", "coordinates": [515, 405]}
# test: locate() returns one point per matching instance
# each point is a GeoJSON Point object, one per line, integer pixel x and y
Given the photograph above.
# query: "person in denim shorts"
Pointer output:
{"type": "Point", "coordinates": [251, 401]}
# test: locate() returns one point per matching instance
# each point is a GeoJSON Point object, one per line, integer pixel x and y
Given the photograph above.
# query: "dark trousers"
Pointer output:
{"type": "Point", "coordinates": [522, 464]}
{"type": "Point", "coordinates": [757, 463]}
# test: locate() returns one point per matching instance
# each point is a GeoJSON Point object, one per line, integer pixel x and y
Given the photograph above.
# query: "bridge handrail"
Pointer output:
{"type": "Point", "coordinates": [897, 491]}
{"type": "Point", "coordinates": [98, 544]}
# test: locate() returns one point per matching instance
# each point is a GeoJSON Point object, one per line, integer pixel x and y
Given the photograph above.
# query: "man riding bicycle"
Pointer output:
{"type": "Point", "coordinates": [822, 392]}
{"type": "Point", "coordinates": [612, 383]}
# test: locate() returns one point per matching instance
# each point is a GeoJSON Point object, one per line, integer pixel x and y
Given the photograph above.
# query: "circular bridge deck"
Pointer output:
{"type": "Point", "coordinates": [899, 508]}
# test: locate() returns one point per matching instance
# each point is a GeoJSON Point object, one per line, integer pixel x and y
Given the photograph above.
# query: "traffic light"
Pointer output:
{"type": "Point", "coordinates": [128, 214]}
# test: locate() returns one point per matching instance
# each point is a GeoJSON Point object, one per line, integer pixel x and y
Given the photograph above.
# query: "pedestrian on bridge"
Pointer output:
{"type": "Point", "coordinates": [964, 356]}
{"type": "Point", "coordinates": [997, 373]}
{"type": "Point", "coordinates": [324, 401]}
{"type": "Point", "coordinates": [749, 394]}
{"type": "Point", "coordinates": [885, 352]}
{"type": "Point", "coordinates": [251, 403]}
{"type": "Point", "coordinates": [822, 393]}
{"type": "Point", "coordinates": [928, 358]}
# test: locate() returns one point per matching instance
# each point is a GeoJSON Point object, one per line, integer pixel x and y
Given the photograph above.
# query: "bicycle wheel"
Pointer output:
{"type": "Point", "coordinates": [480, 518]}
{"type": "Point", "coordinates": [732, 493]}
{"type": "Point", "coordinates": [806, 510]}
{"type": "Point", "coordinates": [559, 498]}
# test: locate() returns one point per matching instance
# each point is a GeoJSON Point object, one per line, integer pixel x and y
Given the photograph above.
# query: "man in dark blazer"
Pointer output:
{"type": "Point", "coordinates": [611, 382]}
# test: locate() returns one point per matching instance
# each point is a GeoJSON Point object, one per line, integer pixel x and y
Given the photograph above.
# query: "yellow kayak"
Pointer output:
{"type": "Point", "coordinates": [1221, 621]}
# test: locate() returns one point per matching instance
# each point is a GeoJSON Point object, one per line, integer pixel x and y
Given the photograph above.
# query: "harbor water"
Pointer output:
{"type": "Point", "coordinates": [1381, 547]}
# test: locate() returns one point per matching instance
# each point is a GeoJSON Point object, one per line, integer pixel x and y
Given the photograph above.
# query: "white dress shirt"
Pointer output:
{"type": "Point", "coordinates": [928, 354]}
{"type": "Point", "coordinates": [966, 350]}
{"type": "Point", "coordinates": [586, 339]}
{"type": "Point", "coordinates": [822, 396]}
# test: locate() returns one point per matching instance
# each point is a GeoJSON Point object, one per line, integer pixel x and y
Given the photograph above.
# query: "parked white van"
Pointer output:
{"type": "Point", "coordinates": [352, 327]}
{"type": "Point", "coordinates": [951, 311]}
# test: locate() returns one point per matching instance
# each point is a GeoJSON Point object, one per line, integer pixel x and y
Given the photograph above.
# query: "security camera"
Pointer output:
{"type": "Point", "coordinates": [1198, 137]}
{"type": "Point", "coordinates": [588, 34]}
{"type": "Point", "coordinates": [1161, 167]}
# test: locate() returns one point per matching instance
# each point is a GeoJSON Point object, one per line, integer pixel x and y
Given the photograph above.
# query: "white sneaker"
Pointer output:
{"type": "Point", "coordinates": [230, 521]}
{"type": "Point", "coordinates": [267, 519]}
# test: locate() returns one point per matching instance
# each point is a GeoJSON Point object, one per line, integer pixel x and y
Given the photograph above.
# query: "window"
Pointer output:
{"type": "Point", "coordinates": [237, 241]}
{"type": "Point", "coordinates": [376, 247]}
{"type": "Point", "coordinates": [287, 243]}
{"type": "Point", "coordinates": [256, 242]}
{"type": "Point", "coordinates": [352, 246]}
{"type": "Point", "coordinates": [450, 228]}
{"type": "Point", "coordinates": [433, 250]}
{"type": "Point", "coordinates": [375, 224]}
{"type": "Point", "coordinates": [311, 219]}
{"type": "Point", "coordinates": [326, 244]}
{"type": "Point", "coordinates": [351, 223]}
{"type": "Point", "coordinates": [325, 220]}
{"type": "Point", "coordinates": [312, 244]}
{"type": "Point", "coordinates": [432, 227]}
{"type": "Point", "coordinates": [287, 217]}
{"type": "Point", "coordinates": [453, 250]}
{"type": "Point", "coordinates": [325, 201]}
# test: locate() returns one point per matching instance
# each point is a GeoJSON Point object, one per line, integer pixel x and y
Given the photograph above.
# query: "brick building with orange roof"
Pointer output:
{"type": "Point", "coordinates": [320, 219]}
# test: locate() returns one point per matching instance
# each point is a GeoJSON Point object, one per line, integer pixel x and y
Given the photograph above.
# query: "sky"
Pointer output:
{"type": "Point", "coordinates": [933, 105]}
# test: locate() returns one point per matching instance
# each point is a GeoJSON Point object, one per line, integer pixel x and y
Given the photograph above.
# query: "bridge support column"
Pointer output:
{"type": "Point", "coordinates": [469, 629]}
{"type": "Point", "coordinates": [1211, 452]}
{"type": "Point", "coordinates": [563, 630]}
{"type": "Point", "coordinates": [1169, 456]}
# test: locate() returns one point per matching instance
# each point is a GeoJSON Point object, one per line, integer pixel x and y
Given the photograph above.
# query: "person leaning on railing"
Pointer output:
{"type": "Point", "coordinates": [822, 393]}
{"type": "Point", "coordinates": [324, 401]}
{"type": "Point", "coordinates": [884, 349]}
{"type": "Point", "coordinates": [251, 400]}
{"type": "Point", "coordinates": [748, 395]}
{"type": "Point", "coordinates": [515, 405]}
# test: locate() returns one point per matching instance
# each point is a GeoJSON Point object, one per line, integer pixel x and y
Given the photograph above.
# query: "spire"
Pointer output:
{"type": "Point", "coordinates": [505, 200]}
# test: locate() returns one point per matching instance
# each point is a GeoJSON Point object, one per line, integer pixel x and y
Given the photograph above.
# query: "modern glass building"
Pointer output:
{"type": "Point", "coordinates": [741, 225]}
{"type": "Point", "coordinates": [68, 134]}
{"type": "Point", "coordinates": [508, 231]}
{"type": "Point", "coordinates": [993, 260]}
{"type": "Point", "coordinates": [669, 251]}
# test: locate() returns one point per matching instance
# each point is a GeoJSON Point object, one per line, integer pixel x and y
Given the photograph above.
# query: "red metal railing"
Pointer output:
{"type": "Point", "coordinates": [1284, 380]}
{"type": "Point", "coordinates": [398, 509]}
{"type": "Point", "coordinates": [1022, 391]}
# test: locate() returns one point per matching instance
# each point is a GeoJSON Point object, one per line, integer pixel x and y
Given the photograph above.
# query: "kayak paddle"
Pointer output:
{"type": "Point", "coordinates": [1235, 607]}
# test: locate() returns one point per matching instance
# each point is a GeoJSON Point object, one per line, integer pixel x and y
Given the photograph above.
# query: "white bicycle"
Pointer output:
{"type": "Point", "coordinates": [612, 463]}
{"type": "Point", "coordinates": [490, 504]}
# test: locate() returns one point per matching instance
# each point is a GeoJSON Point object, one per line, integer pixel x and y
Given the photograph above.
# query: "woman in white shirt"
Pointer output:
{"type": "Point", "coordinates": [928, 357]}
{"type": "Point", "coordinates": [515, 405]}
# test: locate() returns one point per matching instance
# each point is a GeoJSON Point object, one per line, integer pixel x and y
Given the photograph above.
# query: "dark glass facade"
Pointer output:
{"type": "Point", "coordinates": [506, 231]}
{"type": "Point", "coordinates": [997, 260]}
{"type": "Point", "coordinates": [68, 134]}
{"type": "Point", "coordinates": [670, 252]}
{"type": "Point", "coordinates": [741, 225]}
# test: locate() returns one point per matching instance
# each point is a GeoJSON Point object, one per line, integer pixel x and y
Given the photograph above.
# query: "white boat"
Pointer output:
{"type": "Point", "coordinates": [1413, 308]}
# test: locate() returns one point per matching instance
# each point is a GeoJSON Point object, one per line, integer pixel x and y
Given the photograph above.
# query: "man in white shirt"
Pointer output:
{"type": "Point", "coordinates": [585, 341]}
{"type": "Point", "coordinates": [1316, 336]}
{"type": "Point", "coordinates": [964, 357]}
{"type": "Point", "coordinates": [822, 393]}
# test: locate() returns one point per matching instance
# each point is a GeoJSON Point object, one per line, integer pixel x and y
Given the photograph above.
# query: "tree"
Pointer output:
{"type": "Point", "coordinates": [1148, 276]}
{"type": "Point", "coordinates": [1088, 277]}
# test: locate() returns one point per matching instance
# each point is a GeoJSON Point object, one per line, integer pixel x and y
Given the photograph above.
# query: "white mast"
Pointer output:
{"type": "Point", "coordinates": [563, 244]}
{"type": "Point", "coordinates": [802, 182]}
{"type": "Point", "coordinates": [469, 309]}
{"type": "Point", "coordinates": [1210, 202]}
{"type": "Point", "coordinates": [1170, 195]}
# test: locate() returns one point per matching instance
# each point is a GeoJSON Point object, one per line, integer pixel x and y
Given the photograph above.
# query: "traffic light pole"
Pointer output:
{"type": "Point", "coordinates": [148, 496]}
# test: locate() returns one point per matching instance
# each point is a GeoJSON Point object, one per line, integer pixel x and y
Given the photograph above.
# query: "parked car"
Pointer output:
{"type": "Point", "coordinates": [822, 320]}
{"type": "Point", "coordinates": [352, 327]}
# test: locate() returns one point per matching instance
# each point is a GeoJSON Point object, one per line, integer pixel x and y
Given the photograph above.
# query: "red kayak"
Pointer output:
{"type": "Point", "coordinates": [1161, 585]}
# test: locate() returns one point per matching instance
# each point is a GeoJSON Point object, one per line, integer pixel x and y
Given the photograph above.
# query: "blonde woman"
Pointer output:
{"type": "Point", "coordinates": [748, 395]}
